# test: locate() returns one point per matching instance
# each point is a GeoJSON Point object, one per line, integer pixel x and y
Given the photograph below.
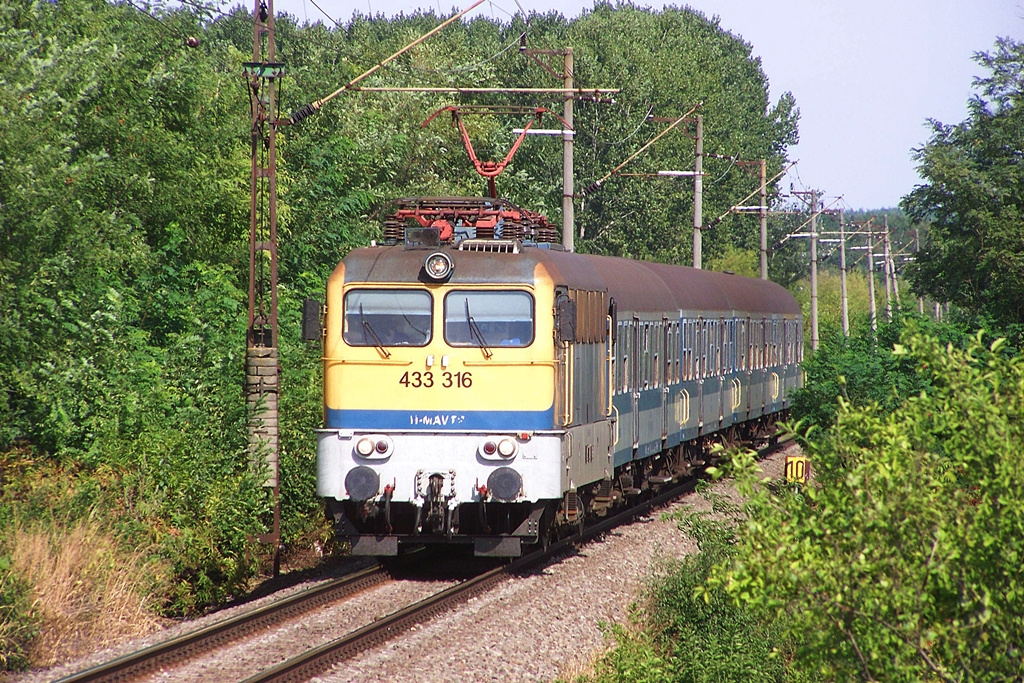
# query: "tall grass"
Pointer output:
{"type": "Point", "coordinates": [86, 592]}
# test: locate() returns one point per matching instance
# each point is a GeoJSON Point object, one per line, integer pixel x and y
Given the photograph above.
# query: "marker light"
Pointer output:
{"type": "Point", "coordinates": [490, 448]}
{"type": "Point", "coordinates": [382, 446]}
{"type": "Point", "coordinates": [439, 266]}
{"type": "Point", "coordinates": [365, 446]}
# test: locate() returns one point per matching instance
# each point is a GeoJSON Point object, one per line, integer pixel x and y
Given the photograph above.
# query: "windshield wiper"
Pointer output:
{"type": "Point", "coordinates": [368, 330]}
{"type": "Point", "coordinates": [474, 331]}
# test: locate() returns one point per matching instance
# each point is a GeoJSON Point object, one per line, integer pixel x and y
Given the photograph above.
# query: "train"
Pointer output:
{"type": "Point", "coordinates": [485, 388]}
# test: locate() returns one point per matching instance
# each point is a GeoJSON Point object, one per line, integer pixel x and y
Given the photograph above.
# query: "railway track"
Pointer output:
{"type": "Point", "coordinates": [317, 660]}
{"type": "Point", "coordinates": [190, 645]}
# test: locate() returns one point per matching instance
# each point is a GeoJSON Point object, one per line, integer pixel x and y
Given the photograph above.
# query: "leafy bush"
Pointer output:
{"type": "Point", "coordinates": [862, 369]}
{"type": "Point", "coordinates": [687, 635]}
{"type": "Point", "coordinates": [902, 561]}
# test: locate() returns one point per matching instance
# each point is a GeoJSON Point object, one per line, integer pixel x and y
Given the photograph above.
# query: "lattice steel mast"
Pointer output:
{"type": "Point", "coordinates": [262, 369]}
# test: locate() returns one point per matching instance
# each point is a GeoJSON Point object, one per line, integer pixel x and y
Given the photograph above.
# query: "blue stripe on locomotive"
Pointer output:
{"type": "Point", "coordinates": [491, 420]}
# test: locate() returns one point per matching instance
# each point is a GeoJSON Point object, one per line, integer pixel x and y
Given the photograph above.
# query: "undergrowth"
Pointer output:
{"type": "Point", "coordinates": [681, 634]}
{"type": "Point", "coordinates": [86, 591]}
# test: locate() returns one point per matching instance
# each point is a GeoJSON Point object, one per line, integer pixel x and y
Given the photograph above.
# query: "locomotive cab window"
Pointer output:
{"type": "Point", "coordinates": [387, 317]}
{"type": "Point", "coordinates": [485, 318]}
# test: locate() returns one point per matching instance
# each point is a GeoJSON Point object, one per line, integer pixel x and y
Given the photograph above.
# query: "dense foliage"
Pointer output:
{"type": "Point", "coordinates": [863, 369]}
{"type": "Point", "coordinates": [973, 197]}
{"type": "Point", "coordinates": [123, 214]}
{"type": "Point", "coordinates": [357, 153]}
{"type": "Point", "coordinates": [901, 562]}
{"type": "Point", "coordinates": [689, 635]}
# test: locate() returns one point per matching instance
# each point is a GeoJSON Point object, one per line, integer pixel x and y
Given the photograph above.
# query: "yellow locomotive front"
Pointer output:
{"type": "Point", "coordinates": [439, 398]}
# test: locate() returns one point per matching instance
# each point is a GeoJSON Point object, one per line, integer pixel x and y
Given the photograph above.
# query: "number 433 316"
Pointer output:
{"type": "Point", "coordinates": [445, 380]}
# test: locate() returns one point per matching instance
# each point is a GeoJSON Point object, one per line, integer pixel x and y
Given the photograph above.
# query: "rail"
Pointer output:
{"type": "Point", "coordinates": [314, 662]}
{"type": "Point", "coordinates": [192, 644]}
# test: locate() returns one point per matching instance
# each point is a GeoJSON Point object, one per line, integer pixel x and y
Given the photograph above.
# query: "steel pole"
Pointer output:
{"type": "Point", "coordinates": [842, 276]}
{"type": "Point", "coordinates": [698, 193]}
{"type": "Point", "coordinates": [764, 221]}
{"type": "Point", "coordinates": [814, 269]}
{"type": "Point", "coordinates": [568, 210]}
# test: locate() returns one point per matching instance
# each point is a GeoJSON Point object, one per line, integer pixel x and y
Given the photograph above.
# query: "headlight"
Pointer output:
{"type": "Point", "coordinates": [439, 266]}
{"type": "Point", "coordinates": [506, 448]}
{"type": "Point", "coordinates": [374, 446]}
{"type": "Point", "coordinates": [498, 448]}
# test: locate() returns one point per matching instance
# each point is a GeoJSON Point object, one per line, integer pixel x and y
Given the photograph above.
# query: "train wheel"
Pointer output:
{"type": "Point", "coordinates": [548, 534]}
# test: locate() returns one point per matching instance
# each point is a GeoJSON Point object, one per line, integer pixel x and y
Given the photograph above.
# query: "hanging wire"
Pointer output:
{"type": "Point", "coordinates": [728, 169]}
{"type": "Point", "coordinates": [398, 68]}
{"type": "Point", "coordinates": [205, 8]}
{"type": "Point", "coordinates": [148, 14]}
{"type": "Point", "coordinates": [323, 12]}
{"type": "Point", "coordinates": [459, 69]}
{"type": "Point", "coordinates": [628, 137]}
{"type": "Point", "coordinates": [510, 15]}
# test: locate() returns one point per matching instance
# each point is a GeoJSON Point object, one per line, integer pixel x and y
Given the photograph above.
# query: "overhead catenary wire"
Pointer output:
{"type": "Point", "coordinates": [206, 8]}
{"type": "Point", "coordinates": [775, 177]}
{"type": "Point", "coordinates": [596, 184]}
{"type": "Point", "coordinates": [629, 137]}
{"type": "Point", "coordinates": [799, 227]}
{"type": "Point", "coordinates": [313, 107]}
{"type": "Point", "coordinates": [324, 12]}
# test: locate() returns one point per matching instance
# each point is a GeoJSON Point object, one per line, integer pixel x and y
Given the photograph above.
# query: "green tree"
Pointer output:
{"type": "Point", "coordinates": [123, 161]}
{"type": "Point", "coordinates": [366, 148]}
{"type": "Point", "coordinates": [688, 59]}
{"type": "Point", "coordinates": [901, 560]}
{"type": "Point", "coordinates": [860, 370]}
{"type": "Point", "coordinates": [973, 198]}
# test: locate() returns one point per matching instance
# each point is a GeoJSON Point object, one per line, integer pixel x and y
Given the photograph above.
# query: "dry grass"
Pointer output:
{"type": "Point", "coordinates": [87, 591]}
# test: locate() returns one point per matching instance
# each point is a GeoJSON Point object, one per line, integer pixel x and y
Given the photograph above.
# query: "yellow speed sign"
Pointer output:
{"type": "Point", "coordinates": [797, 468]}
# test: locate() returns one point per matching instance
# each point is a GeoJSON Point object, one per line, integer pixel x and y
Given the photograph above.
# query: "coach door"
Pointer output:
{"type": "Point", "coordinates": [636, 360]}
{"type": "Point", "coordinates": [665, 371]}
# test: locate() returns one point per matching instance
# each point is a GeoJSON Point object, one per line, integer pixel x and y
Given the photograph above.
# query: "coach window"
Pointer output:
{"type": "Point", "coordinates": [775, 342]}
{"type": "Point", "coordinates": [656, 353]}
{"type": "Point", "coordinates": [671, 352]}
{"type": "Point", "coordinates": [703, 348]}
{"type": "Point", "coordinates": [484, 318]}
{"type": "Point", "coordinates": [623, 343]}
{"type": "Point", "coordinates": [741, 343]}
{"type": "Point", "coordinates": [646, 350]}
{"type": "Point", "coordinates": [387, 317]}
{"type": "Point", "coordinates": [719, 346]}
{"type": "Point", "coordinates": [693, 354]}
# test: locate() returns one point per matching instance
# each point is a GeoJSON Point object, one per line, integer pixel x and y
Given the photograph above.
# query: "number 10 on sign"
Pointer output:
{"type": "Point", "coordinates": [797, 468]}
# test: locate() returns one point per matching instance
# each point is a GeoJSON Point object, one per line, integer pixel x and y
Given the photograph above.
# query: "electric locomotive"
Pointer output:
{"type": "Point", "coordinates": [484, 387]}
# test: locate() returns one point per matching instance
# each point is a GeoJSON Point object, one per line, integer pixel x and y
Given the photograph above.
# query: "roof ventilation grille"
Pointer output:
{"type": "Point", "coordinates": [491, 246]}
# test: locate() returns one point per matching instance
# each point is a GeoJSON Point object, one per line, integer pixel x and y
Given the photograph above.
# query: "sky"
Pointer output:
{"type": "Point", "coordinates": [867, 74]}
